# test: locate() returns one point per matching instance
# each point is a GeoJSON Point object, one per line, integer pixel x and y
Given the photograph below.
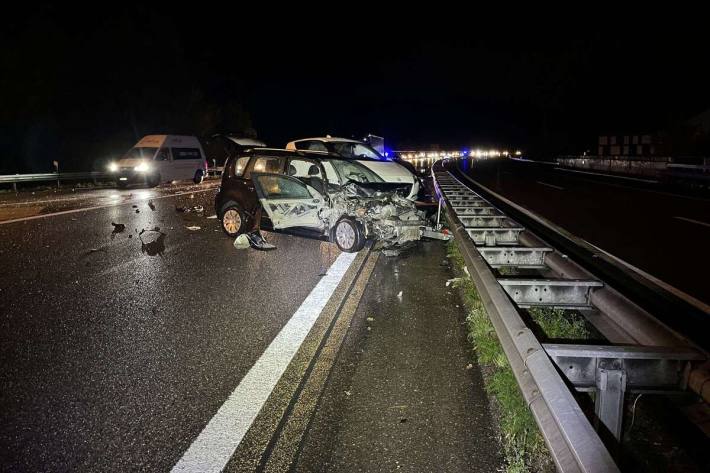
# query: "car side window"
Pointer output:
{"type": "Point", "coordinates": [240, 165]}
{"type": "Point", "coordinates": [281, 187]}
{"type": "Point", "coordinates": [311, 146]}
{"type": "Point", "coordinates": [265, 164]}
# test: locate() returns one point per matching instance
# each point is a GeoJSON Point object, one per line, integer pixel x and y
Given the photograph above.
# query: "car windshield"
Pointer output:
{"type": "Point", "coordinates": [355, 150]}
{"type": "Point", "coordinates": [352, 171]}
{"type": "Point", "coordinates": [140, 153]}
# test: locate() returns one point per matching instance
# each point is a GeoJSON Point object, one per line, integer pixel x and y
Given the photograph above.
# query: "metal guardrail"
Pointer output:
{"type": "Point", "coordinates": [573, 442]}
{"type": "Point", "coordinates": [15, 179]}
{"type": "Point", "coordinates": [647, 356]}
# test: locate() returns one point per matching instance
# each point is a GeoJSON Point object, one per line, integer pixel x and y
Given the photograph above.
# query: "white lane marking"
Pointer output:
{"type": "Point", "coordinates": [550, 185]}
{"type": "Point", "coordinates": [638, 179]}
{"type": "Point", "coordinates": [85, 209]}
{"type": "Point", "coordinates": [216, 444]}
{"type": "Point", "coordinates": [693, 221]}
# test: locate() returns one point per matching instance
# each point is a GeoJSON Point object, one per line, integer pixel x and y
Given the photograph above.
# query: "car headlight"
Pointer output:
{"type": "Point", "coordinates": [112, 167]}
{"type": "Point", "coordinates": [142, 167]}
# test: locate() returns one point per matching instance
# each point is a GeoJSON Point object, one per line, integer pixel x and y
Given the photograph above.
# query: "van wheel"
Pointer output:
{"type": "Point", "coordinates": [348, 236]}
{"type": "Point", "coordinates": [232, 221]}
{"type": "Point", "coordinates": [153, 180]}
{"type": "Point", "coordinates": [199, 176]}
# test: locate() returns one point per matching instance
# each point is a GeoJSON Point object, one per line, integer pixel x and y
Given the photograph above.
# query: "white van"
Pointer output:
{"type": "Point", "coordinates": [161, 158]}
{"type": "Point", "coordinates": [387, 169]}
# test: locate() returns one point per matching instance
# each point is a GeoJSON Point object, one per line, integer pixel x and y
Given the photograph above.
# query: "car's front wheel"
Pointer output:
{"type": "Point", "coordinates": [199, 176]}
{"type": "Point", "coordinates": [153, 180]}
{"type": "Point", "coordinates": [233, 221]}
{"type": "Point", "coordinates": [348, 235]}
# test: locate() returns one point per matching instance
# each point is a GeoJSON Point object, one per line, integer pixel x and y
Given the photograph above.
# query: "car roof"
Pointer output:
{"type": "Point", "coordinates": [278, 152]}
{"type": "Point", "coordinates": [329, 139]}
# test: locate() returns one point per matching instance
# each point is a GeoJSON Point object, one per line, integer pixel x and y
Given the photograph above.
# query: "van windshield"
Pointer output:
{"type": "Point", "coordinates": [140, 153]}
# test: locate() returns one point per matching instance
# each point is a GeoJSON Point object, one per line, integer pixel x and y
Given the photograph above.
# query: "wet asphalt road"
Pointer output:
{"type": "Point", "coordinates": [116, 355]}
{"type": "Point", "coordinates": [657, 230]}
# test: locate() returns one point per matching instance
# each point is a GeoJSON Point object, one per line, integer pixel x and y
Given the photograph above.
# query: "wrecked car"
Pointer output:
{"type": "Point", "coordinates": [315, 195]}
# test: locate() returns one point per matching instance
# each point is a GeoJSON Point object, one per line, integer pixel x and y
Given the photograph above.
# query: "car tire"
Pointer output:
{"type": "Point", "coordinates": [199, 176]}
{"type": "Point", "coordinates": [348, 235]}
{"type": "Point", "coordinates": [232, 220]}
{"type": "Point", "coordinates": [153, 180]}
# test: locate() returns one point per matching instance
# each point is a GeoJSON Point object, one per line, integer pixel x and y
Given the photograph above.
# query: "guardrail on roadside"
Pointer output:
{"type": "Point", "coordinates": [644, 355]}
{"type": "Point", "coordinates": [94, 176]}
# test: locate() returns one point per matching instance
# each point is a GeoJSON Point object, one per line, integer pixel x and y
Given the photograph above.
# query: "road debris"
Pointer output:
{"type": "Point", "coordinates": [194, 228]}
{"type": "Point", "coordinates": [154, 247]}
{"type": "Point", "coordinates": [118, 227]}
{"type": "Point", "coordinates": [241, 242]}
{"type": "Point", "coordinates": [453, 281]}
{"type": "Point", "coordinates": [399, 296]}
{"type": "Point", "coordinates": [151, 205]}
{"type": "Point", "coordinates": [212, 217]}
{"type": "Point", "coordinates": [195, 209]}
{"type": "Point", "coordinates": [469, 366]}
{"type": "Point", "coordinates": [370, 319]}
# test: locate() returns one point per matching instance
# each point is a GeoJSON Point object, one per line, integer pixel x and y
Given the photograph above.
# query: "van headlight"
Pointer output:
{"type": "Point", "coordinates": [112, 167]}
{"type": "Point", "coordinates": [142, 167]}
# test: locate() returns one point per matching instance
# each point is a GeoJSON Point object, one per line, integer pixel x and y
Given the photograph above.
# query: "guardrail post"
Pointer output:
{"type": "Point", "coordinates": [609, 403]}
{"type": "Point", "coordinates": [14, 186]}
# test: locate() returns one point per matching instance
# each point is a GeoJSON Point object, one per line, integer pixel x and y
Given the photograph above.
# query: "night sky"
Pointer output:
{"type": "Point", "coordinates": [83, 85]}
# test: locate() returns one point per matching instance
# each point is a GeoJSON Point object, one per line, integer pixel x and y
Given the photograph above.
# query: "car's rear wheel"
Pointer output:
{"type": "Point", "coordinates": [199, 176]}
{"type": "Point", "coordinates": [348, 236]}
{"type": "Point", "coordinates": [233, 221]}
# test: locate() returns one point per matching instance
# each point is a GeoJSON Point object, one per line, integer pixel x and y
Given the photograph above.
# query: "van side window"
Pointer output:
{"type": "Point", "coordinates": [186, 153]}
{"type": "Point", "coordinates": [240, 165]}
{"type": "Point", "coordinates": [163, 155]}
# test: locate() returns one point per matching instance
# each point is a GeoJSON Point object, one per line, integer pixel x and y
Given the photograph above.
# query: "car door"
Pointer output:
{"type": "Point", "coordinates": [287, 201]}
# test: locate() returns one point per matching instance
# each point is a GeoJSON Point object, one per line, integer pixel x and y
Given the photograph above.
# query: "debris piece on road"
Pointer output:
{"type": "Point", "coordinates": [370, 319]}
{"type": "Point", "coordinates": [452, 281]}
{"type": "Point", "coordinates": [469, 366]}
{"type": "Point", "coordinates": [402, 420]}
{"type": "Point", "coordinates": [212, 216]}
{"type": "Point", "coordinates": [194, 227]}
{"type": "Point", "coordinates": [138, 211]}
{"type": "Point", "coordinates": [399, 295]}
{"type": "Point", "coordinates": [151, 205]}
{"type": "Point", "coordinates": [258, 242]}
{"type": "Point", "coordinates": [134, 206]}
{"type": "Point", "coordinates": [369, 328]}
{"type": "Point", "coordinates": [432, 234]}
{"type": "Point", "coordinates": [118, 227]}
{"type": "Point", "coordinates": [241, 242]}
{"type": "Point", "coordinates": [348, 393]}
{"type": "Point", "coordinates": [196, 209]}
{"type": "Point", "coordinates": [154, 247]}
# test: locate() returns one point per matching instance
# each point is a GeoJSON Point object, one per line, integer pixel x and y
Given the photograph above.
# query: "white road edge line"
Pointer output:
{"type": "Point", "coordinates": [686, 219]}
{"type": "Point", "coordinates": [212, 449]}
{"type": "Point", "coordinates": [86, 209]}
{"type": "Point", "coordinates": [550, 185]}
